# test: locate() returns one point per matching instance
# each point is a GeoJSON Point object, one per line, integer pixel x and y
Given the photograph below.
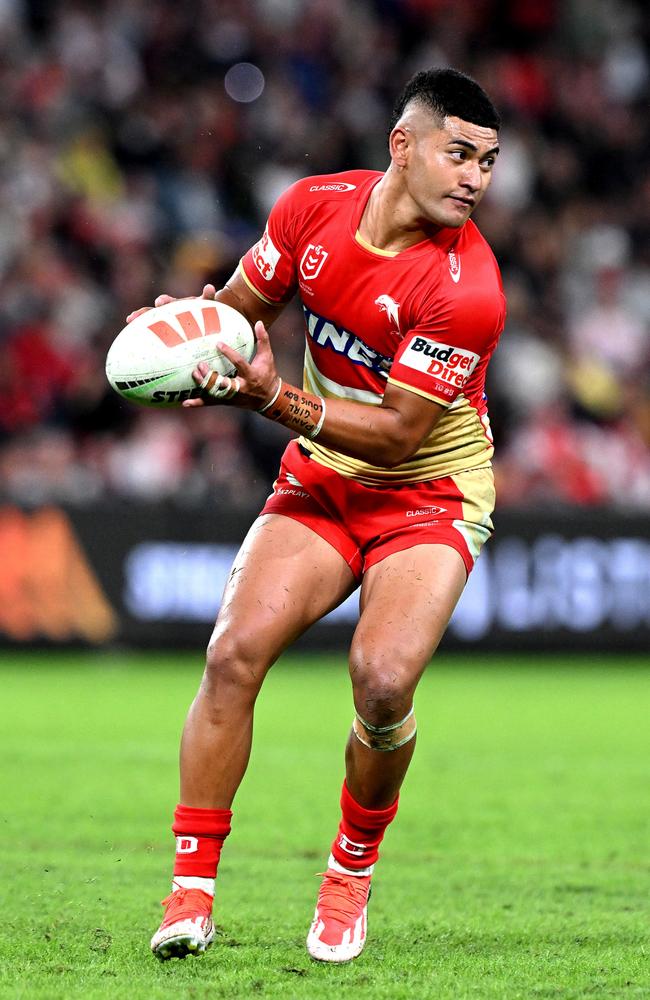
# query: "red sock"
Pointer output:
{"type": "Point", "coordinates": [200, 834]}
{"type": "Point", "coordinates": [361, 831]}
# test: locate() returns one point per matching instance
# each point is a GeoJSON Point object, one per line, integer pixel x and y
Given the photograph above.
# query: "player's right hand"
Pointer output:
{"type": "Point", "coordinates": [209, 292]}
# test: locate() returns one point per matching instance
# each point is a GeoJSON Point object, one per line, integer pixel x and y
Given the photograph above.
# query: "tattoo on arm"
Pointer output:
{"type": "Point", "coordinates": [298, 410]}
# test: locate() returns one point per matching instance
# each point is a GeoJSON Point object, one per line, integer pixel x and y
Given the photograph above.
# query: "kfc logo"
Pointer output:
{"type": "Point", "coordinates": [266, 256]}
{"type": "Point", "coordinates": [312, 261]}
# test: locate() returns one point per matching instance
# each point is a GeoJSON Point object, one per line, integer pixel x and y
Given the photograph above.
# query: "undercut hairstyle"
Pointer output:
{"type": "Point", "coordinates": [448, 92]}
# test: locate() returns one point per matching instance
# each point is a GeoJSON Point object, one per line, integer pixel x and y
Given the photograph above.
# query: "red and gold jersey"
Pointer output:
{"type": "Point", "coordinates": [427, 318]}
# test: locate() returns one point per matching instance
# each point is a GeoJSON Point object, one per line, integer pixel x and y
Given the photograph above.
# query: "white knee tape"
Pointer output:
{"type": "Point", "coordinates": [385, 737]}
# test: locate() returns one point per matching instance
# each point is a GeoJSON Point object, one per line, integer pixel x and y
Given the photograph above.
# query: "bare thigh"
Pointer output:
{"type": "Point", "coordinates": [285, 578]}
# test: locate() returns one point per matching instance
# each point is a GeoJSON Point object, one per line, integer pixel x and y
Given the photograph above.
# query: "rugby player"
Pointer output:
{"type": "Point", "coordinates": [388, 484]}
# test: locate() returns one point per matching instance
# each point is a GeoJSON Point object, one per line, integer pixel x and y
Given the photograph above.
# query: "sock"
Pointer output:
{"type": "Point", "coordinates": [361, 831]}
{"type": "Point", "coordinates": [200, 834]}
{"type": "Point", "coordinates": [193, 882]}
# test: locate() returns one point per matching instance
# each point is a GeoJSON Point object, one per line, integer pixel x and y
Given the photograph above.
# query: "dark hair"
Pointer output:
{"type": "Point", "coordinates": [448, 92]}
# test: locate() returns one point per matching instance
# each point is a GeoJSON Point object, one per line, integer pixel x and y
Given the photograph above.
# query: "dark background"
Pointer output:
{"type": "Point", "coordinates": [143, 143]}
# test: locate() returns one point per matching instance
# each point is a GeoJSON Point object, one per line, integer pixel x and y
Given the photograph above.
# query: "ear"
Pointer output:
{"type": "Point", "coordinates": [399, 143]}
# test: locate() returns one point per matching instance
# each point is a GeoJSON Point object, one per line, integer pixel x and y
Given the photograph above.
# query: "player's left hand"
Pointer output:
{"type": "Point", "coordinates": [253, 385]}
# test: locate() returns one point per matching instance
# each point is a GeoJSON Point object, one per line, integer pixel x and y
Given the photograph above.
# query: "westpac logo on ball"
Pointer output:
{"type": "Point", "coordinates": [188, 326]}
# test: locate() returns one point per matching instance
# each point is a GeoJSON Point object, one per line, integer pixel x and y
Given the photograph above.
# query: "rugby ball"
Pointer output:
{"type": "Point", "coordinates": [150, 362]}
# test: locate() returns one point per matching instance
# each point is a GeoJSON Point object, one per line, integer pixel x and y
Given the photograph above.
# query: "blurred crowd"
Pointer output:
{"type": "Point", "coordinates": [144, 141]}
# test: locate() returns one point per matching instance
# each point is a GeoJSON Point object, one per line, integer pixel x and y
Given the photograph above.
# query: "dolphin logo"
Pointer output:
{"type": "Point", "coordinates": [390, 307]}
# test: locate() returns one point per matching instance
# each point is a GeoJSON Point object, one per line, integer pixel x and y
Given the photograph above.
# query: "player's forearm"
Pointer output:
{"type": "Point", "coordinates": [374, 434]}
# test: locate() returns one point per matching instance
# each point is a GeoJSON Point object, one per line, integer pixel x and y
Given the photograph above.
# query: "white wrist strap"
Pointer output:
{"type": "Point", "coordinates": [273, 398]}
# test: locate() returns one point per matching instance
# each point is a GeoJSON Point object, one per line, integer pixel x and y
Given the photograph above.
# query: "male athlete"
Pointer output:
{"type": "Point", "coordinates": [388, 485]}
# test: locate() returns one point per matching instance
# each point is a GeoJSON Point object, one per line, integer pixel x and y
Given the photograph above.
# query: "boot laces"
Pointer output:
{"type": "Point", "coordinates": [342, 897]}
{"type": "Point", "coordinates": [187, 904]}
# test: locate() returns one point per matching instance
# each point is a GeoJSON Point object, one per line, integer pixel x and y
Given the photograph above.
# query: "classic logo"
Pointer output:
{"type": "Point", "coordinates": [454, 266]}
{"type": "Point", "coordinates": [188, 328]}
{"type": "Point", "coordinates": [450, 366]}
{"type": "Point", "coordinates": [266, 256]}
{"type": "Point", "coordinates": [340, 186]}
{"type": "Point", "coordinates": [390, 307]}
{"type": "Point", "coordinates": [312, 261]}
{"type": "Point", "coordinates": [349, 846]}
{"type": "Point", "coordinates": [431, 511]}
{"type": "Point", "coordinates": [187, 845]}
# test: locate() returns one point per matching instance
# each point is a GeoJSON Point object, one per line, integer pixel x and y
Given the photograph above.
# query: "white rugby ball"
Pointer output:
{"type": "Point", "coordinates": [150, 362]}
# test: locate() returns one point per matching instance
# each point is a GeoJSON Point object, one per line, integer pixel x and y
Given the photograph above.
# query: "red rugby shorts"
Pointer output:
{"type": "Point", "coordinates": [367, 523]}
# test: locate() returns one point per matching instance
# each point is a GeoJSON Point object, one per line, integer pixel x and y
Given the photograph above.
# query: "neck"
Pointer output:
{"type": "Point", "coordinates": [390, 220]}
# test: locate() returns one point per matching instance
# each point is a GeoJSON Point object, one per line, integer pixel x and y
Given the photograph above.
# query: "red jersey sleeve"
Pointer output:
{"type": "Point", "coordinates": [430, 365]}
{"type": "Point", "coordinates": [455, 334]}
{"type": "Point", "coordinates": [269, 267]}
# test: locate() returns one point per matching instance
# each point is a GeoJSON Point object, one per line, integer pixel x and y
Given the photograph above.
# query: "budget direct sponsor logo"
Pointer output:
{"type": "Point", "coordinates": [266, 256]}
{"type": "Point", "coordinates": [341, 186]}
{"type": "Point", "coordinates": [450, 366]}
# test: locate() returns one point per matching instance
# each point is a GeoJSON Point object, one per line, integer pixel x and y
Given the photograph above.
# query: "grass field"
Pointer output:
{"type": "Point", "coordinates": [518, 866]}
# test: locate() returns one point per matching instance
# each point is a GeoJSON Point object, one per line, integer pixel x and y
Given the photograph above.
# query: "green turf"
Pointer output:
{"type": "Point", "coordinates": [518, 866]}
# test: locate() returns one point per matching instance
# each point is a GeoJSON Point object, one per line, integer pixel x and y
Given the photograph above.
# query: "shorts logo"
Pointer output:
{"type": "Point", "coordinates": [187, 845]}
{"type": "Point", "coordinates": [284, 491]}
{"type": "Point", "coordinates": [454, 266]}
{"type": "Point", "coordinates": [341, 186]}
{"type": "Point", "coordinates": [349, 846]}
{"type": "Point", "coordinates": [426, 510]}
{"type": "Point", "coordinates": [312, 261]}
{"type": "Point", "coordinates": [266, 256]}
{"type": "Point", "coordinates": [450, 366]}
{"type": "Point", "coordinates": [390, 307]}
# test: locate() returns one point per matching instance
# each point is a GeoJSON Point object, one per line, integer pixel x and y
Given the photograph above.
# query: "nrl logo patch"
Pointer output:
{"type": "Point", "coordinates": [312, 261]}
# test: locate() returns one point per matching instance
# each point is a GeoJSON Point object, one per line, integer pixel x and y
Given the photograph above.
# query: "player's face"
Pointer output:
{"type": "Point", "coordinates": [446, 170]}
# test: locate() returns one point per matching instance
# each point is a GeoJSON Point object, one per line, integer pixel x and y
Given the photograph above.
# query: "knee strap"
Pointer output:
{"type": "Point", "coordinates": [385, 737]}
